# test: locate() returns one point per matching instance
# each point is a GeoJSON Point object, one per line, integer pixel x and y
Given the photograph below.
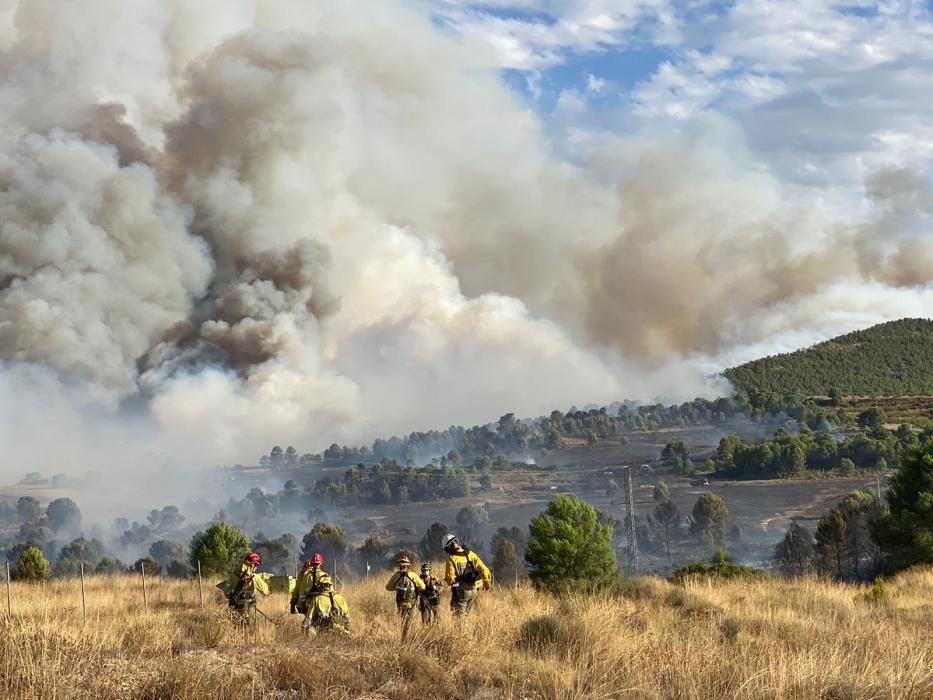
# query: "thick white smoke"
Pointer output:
{"type": "Point", "coordinates": [252, 221]}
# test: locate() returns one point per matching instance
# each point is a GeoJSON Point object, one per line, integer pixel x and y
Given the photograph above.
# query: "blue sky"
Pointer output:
{"type": "Point", "coordinates": [823, 92]}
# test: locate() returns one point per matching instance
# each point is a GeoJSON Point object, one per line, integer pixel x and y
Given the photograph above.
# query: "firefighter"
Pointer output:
{"type": "Point", "coordinates": [328, 611]}
{"type": "Point", "coordinates": [310, 583]}
{"type": "Point", "coordinates": [242, 585]}
{"type": "Point", "coordinates": [407, 585]}
{"type": "Point", "coordinates": [429, 599]}
{"type": "Point", "coordinates": [465, 574]}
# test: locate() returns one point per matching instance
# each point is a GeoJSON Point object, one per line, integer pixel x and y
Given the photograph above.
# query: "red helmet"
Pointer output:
{"type": "Point", "coordinates": [253, 558]}
{"type": "Point", "coordinates": [308, 563]}
{"type": "Point", "coordinates": [403, 559]}
{"type": "Point", "coordinates": [316, 559]}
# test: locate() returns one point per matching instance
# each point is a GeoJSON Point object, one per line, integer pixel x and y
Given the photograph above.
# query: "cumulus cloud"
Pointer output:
{"type": "Point", "coordinates": [535, 34]}
{"type": "Point", "coordinates": [826, 92]}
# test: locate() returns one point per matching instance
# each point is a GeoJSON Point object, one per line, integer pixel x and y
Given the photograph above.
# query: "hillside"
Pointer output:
{"type": "Point", "coordinates": [729, 639]}
{"type": "Point", "coordinates": [890, 359]}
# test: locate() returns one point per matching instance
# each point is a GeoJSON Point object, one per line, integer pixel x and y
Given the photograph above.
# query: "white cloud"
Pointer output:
{"type": "Point", "coordinates": [825, 95]}
{"type": "Point", "coordinates": [537, 33]}
{"type": "Point", "coordinates": [594, 84]}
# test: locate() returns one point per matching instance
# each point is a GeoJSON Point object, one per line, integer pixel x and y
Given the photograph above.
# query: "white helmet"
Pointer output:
{"type": "Point", "coordinates": [447, 539]}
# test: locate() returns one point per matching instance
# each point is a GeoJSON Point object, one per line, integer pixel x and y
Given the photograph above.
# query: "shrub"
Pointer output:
{"type": "Point", "coordinates": [32, 565]}
{"type": "Point", "coordinates": [719, 566]}
{"type": "Point", "coordinates": [877, 593]}
{"type": "Point", "coordinates": [730, 628]}
{"type": "Point", "coordinates": [560, 634]}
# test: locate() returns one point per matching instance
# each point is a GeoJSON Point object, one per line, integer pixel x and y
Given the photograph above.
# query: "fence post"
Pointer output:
{"type": "Point", "coordinates": [83, 598]}
{"type": "Point", "coordinates": [200, 591]}
{"type": "Point", "coordinates": [142, 569]}
{"type": "Point", "coordinates": [9, 592]}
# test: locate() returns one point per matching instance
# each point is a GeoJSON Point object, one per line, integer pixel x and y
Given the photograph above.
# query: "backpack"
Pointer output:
{"type": "Point", "coordinates": [430, 593]}
{"type": "Point", "coordinates": [405, 589]}
{"type": "Point", "coordinates": [337, 618]}
{"type": "Point", "coordinates": [470, 574]}
{"type": "Point", "coordinates": [242, 592]}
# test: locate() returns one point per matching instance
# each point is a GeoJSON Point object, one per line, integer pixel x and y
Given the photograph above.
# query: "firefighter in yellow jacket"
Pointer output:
{"type": "Point", "coordinates": [309, 582]}
{"type": "Point", "coordinates": [327, 611]}
{"type": "Point", "coordinates": [243, 584]}
{"type": "Point", "coordinates": [429, 600]}
{"type": "Point", "coordinates": [407, 585]}
{"type": "Point", "coordinates": [465, 574]}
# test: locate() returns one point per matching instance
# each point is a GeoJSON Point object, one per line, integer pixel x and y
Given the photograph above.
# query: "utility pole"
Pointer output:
{"type": "Point", "coordinates": [630, 521]}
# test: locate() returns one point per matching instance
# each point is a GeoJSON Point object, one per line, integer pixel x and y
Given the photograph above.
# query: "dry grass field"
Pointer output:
{"type": "Point", "coordinates": [806, 639]}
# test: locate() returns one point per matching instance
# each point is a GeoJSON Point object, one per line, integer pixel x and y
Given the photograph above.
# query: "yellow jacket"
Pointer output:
{"type": "Point", "coordinates": [326, 603]}
{"type": "Point", "coordinates": [457, 562]}
{"type": "Point", "coordinates": [415, 578]}
{"type": "Point", "coordinates": [309, 583]}
{"type": "Point", "coordinates": [246, 573]}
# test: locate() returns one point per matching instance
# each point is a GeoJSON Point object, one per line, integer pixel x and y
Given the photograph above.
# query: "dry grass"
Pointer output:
{"type": "Point", "coordinates": [805, 639]}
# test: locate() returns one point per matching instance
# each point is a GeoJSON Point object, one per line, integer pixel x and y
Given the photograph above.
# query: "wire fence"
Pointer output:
{"type": "Point", "coordinates": [144, 589]}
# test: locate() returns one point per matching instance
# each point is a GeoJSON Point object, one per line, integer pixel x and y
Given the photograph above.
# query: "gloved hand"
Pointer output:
{"type": "Point", "coordinates": [485, 585]}
{"type": "Point", "coordinates": [293, 609]}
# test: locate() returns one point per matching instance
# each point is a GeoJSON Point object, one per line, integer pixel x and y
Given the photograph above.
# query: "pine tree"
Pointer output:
{"type": "Point", "coordinates": [794, 554]}
{"type": "Point", "coordinates": [906, 532]}
{"type": "Point", "coordinates": [218, 549]}
{"type": "Point", "coordinates": [709, 517]}
{"type": "Point", "coordinates": [506, 564]}
{"type": "Point", "coordinates": [569, 547]}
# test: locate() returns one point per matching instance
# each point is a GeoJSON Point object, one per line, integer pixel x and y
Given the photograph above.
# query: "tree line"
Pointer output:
{"type": "Point", "coordinates": [569, 544]}
{"type": "Point", "coordinates": [873, 448]}
{"type": "Point", "coordinates": [509, 435]}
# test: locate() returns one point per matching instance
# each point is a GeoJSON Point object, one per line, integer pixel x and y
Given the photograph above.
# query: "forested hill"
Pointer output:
{"type": "Point", "coordinates": [890, 359]}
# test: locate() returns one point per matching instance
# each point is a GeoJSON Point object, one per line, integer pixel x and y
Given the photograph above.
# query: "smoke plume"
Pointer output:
{"type": "Point", "coordinates": [227, 224]}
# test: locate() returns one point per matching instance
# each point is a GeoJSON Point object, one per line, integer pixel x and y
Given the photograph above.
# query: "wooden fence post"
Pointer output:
{"type": "Point", "coordinates": [142, 569]}
{"type": "Point", "coordinates": [9, 592]}
{"type": "Point", "coordinates": [200, 591]}
{"type": "Point", "coordinates": [83, 598]}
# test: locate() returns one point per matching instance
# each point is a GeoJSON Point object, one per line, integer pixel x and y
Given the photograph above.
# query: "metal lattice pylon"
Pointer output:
{"type": "Point", "coordinates": [630, 521]}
